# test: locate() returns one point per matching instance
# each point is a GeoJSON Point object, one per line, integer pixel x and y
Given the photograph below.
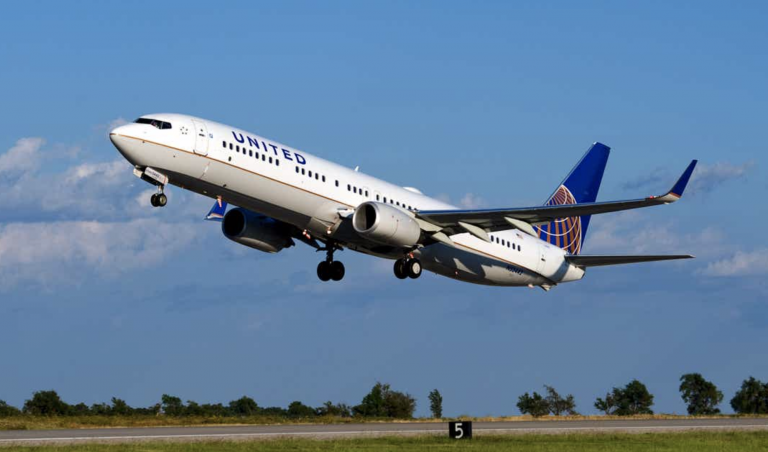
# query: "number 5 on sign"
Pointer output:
{"type": "Point", "coordinates": [460, 429]}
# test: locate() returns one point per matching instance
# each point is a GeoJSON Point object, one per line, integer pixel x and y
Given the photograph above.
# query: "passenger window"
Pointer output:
{"type": "Point", "coordinates": [337, 183]}
{"type": "Point", "coordinates": [297, 170]}
{"type": "Point", "coordinates": [230, 146]}
{"type": "Point", "coordinates": [349, 187]}
{"type": "Point", "coordinates": [377, 197]}
{"type": "Point", "coordinates": [277, 162]}
{"type": "Point", "coordinates": [264, 158]}
{"type": "Point", "coordinates": [302, 171]}
{"type": "Point", "coordinates": [310, 174]}
{"type": "Point", "coordinates": [323, 178]}
{"type": "Point", "coordinates": [317, 177]}
{"type": "Point", "coordinates": [250, 153]}
{"type": "Point", "coordinates": [224, 143]}
{"type": "Point", "coordinates": [385, 200]}
{"type": "Point", "coordinates": [237, 148]}
{"type": "Point", "coordinates": [366, 193]}
{"type": "Point", "coordinates": [270, 160]}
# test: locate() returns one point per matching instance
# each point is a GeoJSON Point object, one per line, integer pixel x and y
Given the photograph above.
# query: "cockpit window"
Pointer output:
{"type": "Point", "coordinates": [156, 123]}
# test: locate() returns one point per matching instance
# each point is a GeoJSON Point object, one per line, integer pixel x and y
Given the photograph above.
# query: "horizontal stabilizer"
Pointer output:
{"type": "Point", "coordinates": [597, 260]}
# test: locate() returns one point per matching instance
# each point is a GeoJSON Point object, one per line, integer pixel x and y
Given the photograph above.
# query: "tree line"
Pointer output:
{"type": "Point", "coordinates": [381, 402]}
{"type": "Point", "coordinates": [701, 397]}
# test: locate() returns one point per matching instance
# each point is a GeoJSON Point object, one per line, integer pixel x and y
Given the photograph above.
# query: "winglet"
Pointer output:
{"type": "Point", "coordinates": [217, 211]}
{"type": "Point", "coordinates": [679, 187]}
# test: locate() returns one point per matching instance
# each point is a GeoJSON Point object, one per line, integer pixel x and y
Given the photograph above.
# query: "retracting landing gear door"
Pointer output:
{"type": "Point", "coordinates": [201, 138]}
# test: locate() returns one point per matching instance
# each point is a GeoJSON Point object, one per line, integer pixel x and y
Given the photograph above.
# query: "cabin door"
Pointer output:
{"type": "Point", "coordinates": [201, 137]}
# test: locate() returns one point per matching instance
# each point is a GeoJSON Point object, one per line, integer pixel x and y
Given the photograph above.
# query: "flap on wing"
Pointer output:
{"type": "Point", "coordinates": [496, 219]}
{"type": "Point", "coordinates": [600, 260]}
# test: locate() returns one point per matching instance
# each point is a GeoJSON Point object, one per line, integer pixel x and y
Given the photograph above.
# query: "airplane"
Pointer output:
{"type": "Point", "coordinates": [283, 195]}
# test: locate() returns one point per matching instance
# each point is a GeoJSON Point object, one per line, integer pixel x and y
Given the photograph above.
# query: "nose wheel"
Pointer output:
{"type": "Point", "coordinates": [158, 200]}
{"type": "Point", "coordinates": [408, 267]}
{"type": "Point", "coordinates": [330, 269]}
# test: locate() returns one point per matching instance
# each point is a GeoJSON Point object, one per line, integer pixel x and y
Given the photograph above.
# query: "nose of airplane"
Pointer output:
{"type": "Point", "coordinates": [120, 138]}
{"type": "Point", "coordinates": [115, 133]}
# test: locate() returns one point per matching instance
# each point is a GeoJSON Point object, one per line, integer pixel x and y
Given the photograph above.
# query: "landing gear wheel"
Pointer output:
{"type": "Point", "coordinates": [329, 268]}
{"type": "Point", "coordinates": [324, 271]}
{"type": "Point", "coordinates": [158, 200]}
{"type": "Point", "coordinates": [337, 270]}
{"type": "Point", "coordinates": [413, 266]}
{"type": "Point", "coordinates": [400, 270]}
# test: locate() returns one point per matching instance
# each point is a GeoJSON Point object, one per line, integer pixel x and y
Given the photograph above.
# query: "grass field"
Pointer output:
{"type": "Point", "coordinates": [657, 442]}
{"type": "Point", "coordinates": [26, 422]}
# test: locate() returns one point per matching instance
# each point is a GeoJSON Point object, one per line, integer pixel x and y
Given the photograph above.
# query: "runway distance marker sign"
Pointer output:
{"type": "Point", "coordinates": [460, 430]}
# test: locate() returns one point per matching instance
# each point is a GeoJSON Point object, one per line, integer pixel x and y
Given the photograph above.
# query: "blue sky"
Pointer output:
{"type": "Point", "coordinates": [482, 104]}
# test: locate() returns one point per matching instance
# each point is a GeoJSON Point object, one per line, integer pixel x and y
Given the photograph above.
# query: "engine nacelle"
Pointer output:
{"type": "Point", "coordinates": [256, 231]}
{"type": "Point", "coordinates": [387, 225]}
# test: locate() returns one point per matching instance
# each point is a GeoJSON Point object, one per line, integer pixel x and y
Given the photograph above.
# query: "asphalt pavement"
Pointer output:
{"type": "Point", "coordinates": [252, 432]}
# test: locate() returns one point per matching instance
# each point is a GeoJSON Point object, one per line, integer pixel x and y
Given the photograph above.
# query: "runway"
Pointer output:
{"type": "Point", "coordinates": [253, 432]}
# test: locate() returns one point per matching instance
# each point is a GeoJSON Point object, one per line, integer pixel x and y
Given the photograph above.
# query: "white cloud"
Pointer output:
{"type": "Point", "coordinates": [472, 201]}
{"type": "Point", "coordinates": [23, 157]}
{"type": "Point", "coordinates": [55, 252]}
{"type": "Point", "coordinates": [708, 177]}
{"type": "Point", "coordinates": [64, 225]}
{"type": "Point", "coordinates": [116, 123]}
{"type": "Point", "coordinates": [632, 233]}
{"type": "Point", "coordinates": [106, 171]}
{"type": "Point", "coordinates": [742, 263]}
{"type": "Point", "coordinates": [705, 177]}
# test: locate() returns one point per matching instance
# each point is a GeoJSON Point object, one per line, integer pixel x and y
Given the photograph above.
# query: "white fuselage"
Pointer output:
{"type": "Point", "coordinates": [314, 194]}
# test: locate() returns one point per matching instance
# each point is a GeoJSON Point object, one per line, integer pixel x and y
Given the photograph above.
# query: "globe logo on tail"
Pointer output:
{"type": "Point", "coordinates": [563, 232]}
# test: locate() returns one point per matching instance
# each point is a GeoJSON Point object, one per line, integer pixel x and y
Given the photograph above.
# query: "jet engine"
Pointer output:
{"type": "Point", "coordinates": [256, 231]}
{"type": "Point", "coordinates": [386, 225]}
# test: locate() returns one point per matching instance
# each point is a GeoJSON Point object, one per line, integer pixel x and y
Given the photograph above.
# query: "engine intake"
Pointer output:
{"type": "Point", "coordinates": [256, 231]}
{"type": "Point", "coordinates": [386, 225]}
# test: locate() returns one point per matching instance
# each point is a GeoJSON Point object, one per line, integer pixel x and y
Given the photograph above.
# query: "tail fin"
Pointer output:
{"type": "Point", "coordinates": [580, 186]}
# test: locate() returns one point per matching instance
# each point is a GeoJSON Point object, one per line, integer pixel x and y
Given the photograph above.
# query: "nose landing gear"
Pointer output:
{"type": "Point", "coordinates": [408, 267]}
{"type": "Point", "coordinates": [329, 268]}
{"type": "Point", "coordinates": [157, 179]}
{"type": "Point", "coordinates": [158, 200]}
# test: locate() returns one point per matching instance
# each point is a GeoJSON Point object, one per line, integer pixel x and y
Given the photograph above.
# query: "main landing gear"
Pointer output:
{"type": "Point", "coordinates": [329, 268]}
{"type": "Point", "coordinates": [408, 267]}
{"type": "Point", "coordinates": [158, 199]}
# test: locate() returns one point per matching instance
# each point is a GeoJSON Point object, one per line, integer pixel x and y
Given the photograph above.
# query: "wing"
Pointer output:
{"type": "Point", "coordinates": [453, 221]}
{"type": "Point", "coordinates": [600, 260]}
